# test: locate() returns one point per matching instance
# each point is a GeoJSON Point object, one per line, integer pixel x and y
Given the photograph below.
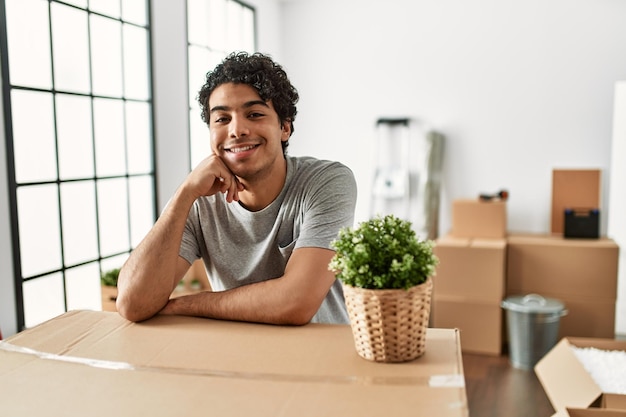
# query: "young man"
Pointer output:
{"type": "Point", "coordinates": [262, 221]}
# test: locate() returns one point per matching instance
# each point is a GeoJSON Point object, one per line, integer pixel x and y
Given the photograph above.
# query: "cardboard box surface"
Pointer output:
{"type": "Point", "coordinates": [552, 264]}
{"type": "Point", "coordinates": [480, 324]}
{"type": "Point", "coordinates": [472, 268]}
{"type": "Point", "coordinates": [586, 317]}
{"type": "Point", "coordinates": [573, 188]}
{"type": "Point", "coordinates": [593, 412]}
{"type": "Point", "coordinates": [479, 219]}
{"type": "Point", "coordinates": [96, 363]}
{"type": "Point", "coordinates": [568, 384]}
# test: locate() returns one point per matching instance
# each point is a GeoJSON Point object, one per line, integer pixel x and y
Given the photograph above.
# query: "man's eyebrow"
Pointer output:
{"type": "Point", "coordinates": [246, 105]}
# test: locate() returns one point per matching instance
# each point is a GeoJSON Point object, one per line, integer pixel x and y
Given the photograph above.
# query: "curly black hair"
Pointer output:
{"type": "Point", "coordinates": [260, 72]}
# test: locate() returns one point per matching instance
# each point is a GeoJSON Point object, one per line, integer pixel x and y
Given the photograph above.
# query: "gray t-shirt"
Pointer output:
{"type": "Point", "coordinates": [241, 247]}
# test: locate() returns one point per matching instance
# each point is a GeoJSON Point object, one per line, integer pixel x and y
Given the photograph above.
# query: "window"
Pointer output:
{"type": "Point", "coordinates": [78, 111]}
{"type": "Point", "coordinates": [214, 29]}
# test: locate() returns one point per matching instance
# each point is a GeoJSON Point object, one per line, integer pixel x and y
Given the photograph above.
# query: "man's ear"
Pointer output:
{"type": "Point", "coordinates": [286, 128]}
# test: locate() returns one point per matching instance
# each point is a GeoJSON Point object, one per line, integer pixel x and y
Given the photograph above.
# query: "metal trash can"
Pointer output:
{"type": "Point", "coordinates": [533, 327]}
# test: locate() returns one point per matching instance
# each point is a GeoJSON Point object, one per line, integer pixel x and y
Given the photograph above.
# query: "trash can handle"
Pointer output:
{"type": "Point", "coordinates": [534, 299]}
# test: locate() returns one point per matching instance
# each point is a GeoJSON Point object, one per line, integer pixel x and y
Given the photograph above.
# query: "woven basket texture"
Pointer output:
{"type": "Point", "coordinates": [389, 325]}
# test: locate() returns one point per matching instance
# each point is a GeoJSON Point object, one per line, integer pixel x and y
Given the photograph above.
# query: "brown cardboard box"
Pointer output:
{"type": "Point", "coordinates": [571, 267]}
{"type": "Point", "coordinates": [479, 219]}
{"type": "Point", "coordinates": [591, 412]}
{"type": "Point", "coordinates": [568, 384]}
{"type": "Point", "coordinates": [88, 363]}
{"type": "Point", "coordinates": [587, 317]}
{"type": "Point", "coordinates": [573, 188]}
{"type": "Point", "coordinates": [472, 268]}
{"type": "Point", "coordinates": [581, 273]}
{"type": "Point", "coordinates": [480, 323]}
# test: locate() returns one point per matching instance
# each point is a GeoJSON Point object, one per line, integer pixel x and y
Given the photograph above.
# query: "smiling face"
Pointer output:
{"type": "Point", "coordinates": [246, 133]}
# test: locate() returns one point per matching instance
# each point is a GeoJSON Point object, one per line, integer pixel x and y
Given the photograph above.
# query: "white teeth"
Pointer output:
{"type": "Point", "coordinates": [242, 149]}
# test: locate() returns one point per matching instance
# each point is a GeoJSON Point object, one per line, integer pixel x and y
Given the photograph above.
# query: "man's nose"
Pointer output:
{"type": "Point", "coordinates": [238, 127]}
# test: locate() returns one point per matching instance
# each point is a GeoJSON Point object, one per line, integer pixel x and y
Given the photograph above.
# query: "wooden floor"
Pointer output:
{"type": "Point", "coordinates": [496, 389]}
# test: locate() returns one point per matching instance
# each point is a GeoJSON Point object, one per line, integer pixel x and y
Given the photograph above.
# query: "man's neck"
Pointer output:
{"type": "Point", "coordinates": [261, 192]}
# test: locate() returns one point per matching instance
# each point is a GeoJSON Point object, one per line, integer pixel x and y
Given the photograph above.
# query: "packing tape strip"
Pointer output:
{"type": "Point", "coordinates": [436, 381]}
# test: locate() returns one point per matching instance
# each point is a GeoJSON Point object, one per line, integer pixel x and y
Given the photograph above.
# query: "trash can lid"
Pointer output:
{"type": "Point", "coordinates": [533, 303]}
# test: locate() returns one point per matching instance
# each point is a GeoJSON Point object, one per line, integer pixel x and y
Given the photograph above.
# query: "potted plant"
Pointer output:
{"type": "Point", "coordinates": [108, 281]}
{"type": "Point", "coordinates": [386, 273]}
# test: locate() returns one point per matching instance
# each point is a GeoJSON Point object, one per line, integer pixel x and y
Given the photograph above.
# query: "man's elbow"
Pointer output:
{"type": "Point", "coordinates": [127, 309]}
{"type": "Point", "coordinates": [299, 314]}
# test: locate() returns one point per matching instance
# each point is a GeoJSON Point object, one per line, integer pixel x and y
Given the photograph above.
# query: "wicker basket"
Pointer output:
{"type": "Point", "coordinates": [389, 325]}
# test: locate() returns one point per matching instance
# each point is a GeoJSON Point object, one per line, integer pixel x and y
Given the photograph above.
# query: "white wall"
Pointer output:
{"type": "Point", "coordinates": [518, 87]}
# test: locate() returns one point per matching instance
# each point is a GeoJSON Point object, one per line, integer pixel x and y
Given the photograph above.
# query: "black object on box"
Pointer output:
{"type": "Point", "coordinates": [583, 223]}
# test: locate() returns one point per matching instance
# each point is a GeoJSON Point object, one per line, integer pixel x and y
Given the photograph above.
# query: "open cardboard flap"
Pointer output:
{"type": "Point", "coordinates": [568, 384]}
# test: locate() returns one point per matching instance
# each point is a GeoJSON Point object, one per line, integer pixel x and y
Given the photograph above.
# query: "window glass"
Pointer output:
{"type": "Point", "coordinates": [74, 136]}
{"type": "Point", "coordinates": [247, 29]}
{"type": "Point", "coordinates": [113, 216]}
{"type": "Point", "coordinates": [197, 11]}
{"type": "Point", "coordinates": [43, 298]}
{"type": "Point", "coordinates": [136, 80]}
{"type": "Point", "coordinates": [79, 221]}
{"type": "Point", "coordinates": [135, 11]}
{"type": "Point", "coordinates": [71, 49]}
{"type": "Point", "coordinates": [106, 56]}
{"type": "Point", "coordinates": [82, 140]}
{"type": "Point", "coordinates": [199, 59]}
{"type": "Point", "coordinates": [138, 137]}
{"type": "Point", "coordinates": [39, 231]}
{"type": "Point", "coordinates": [108, 118]}
{"type": "Point", "coordinates": [79, 3]}
{"type": "Point", "coordinates": [83, 287]}
{"type": "Point", "coordinates": [141, 205]}
{"type": "Point", "coordinates": [214, 29]}
{"type": "Point", "coordinates": [107, 7]}
{"type": "Point", "coordinates": [33, 136]}
{"type": "Point", "coordinates": [28, 29]}
{"type": "Point", "coordinates": [234, 26]}
{"type": "Point", "coordinates": [200, 141]}
{"type": "Point", "coordinates": [113, 262]}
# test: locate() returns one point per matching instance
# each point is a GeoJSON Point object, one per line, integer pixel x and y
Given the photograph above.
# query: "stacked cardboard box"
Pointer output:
{"type": "Point", "coordinates": [582, 273]}
{"type": "Point", "coordinates": [481, 264]}
{"type": "Point", "coordinates": [470, 281]}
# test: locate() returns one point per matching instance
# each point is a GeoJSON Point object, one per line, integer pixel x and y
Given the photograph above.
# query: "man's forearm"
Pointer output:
{"type": "Point", "coordinates": [149, 275]}
{"type": "Point", "coordinates": [260, 302]}
{"type": "Point", "coordinates": [294, 298]}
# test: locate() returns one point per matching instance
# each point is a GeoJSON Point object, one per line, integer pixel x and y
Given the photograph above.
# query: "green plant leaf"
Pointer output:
{"type": "Point", "coordinates": [382, 253]}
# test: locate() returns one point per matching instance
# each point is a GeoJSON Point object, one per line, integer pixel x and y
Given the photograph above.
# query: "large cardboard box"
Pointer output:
{"type": "Point", "coordinates": [472, 268]}
{"type": "Point", "coordinates": [552, 264]}
{"type": "Point", "coordinates": [88, 363]}
{"type": "Point", "coordinates": [468, 289]}
{"type": "Point", "coordinates": [581, 273]}
{"type": "Point", "coordinates": [573, 188]}
{"type": "Point", "coordinates": [591, 412]}
{"type": "Point", "coordinates": [480, 323]}
{"type": "Point", "coordinates": [566, 381]}
{"type": "Point", "coordinates": [586, 317]}
{"type": "Point", "coordinates": [479, 219]}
